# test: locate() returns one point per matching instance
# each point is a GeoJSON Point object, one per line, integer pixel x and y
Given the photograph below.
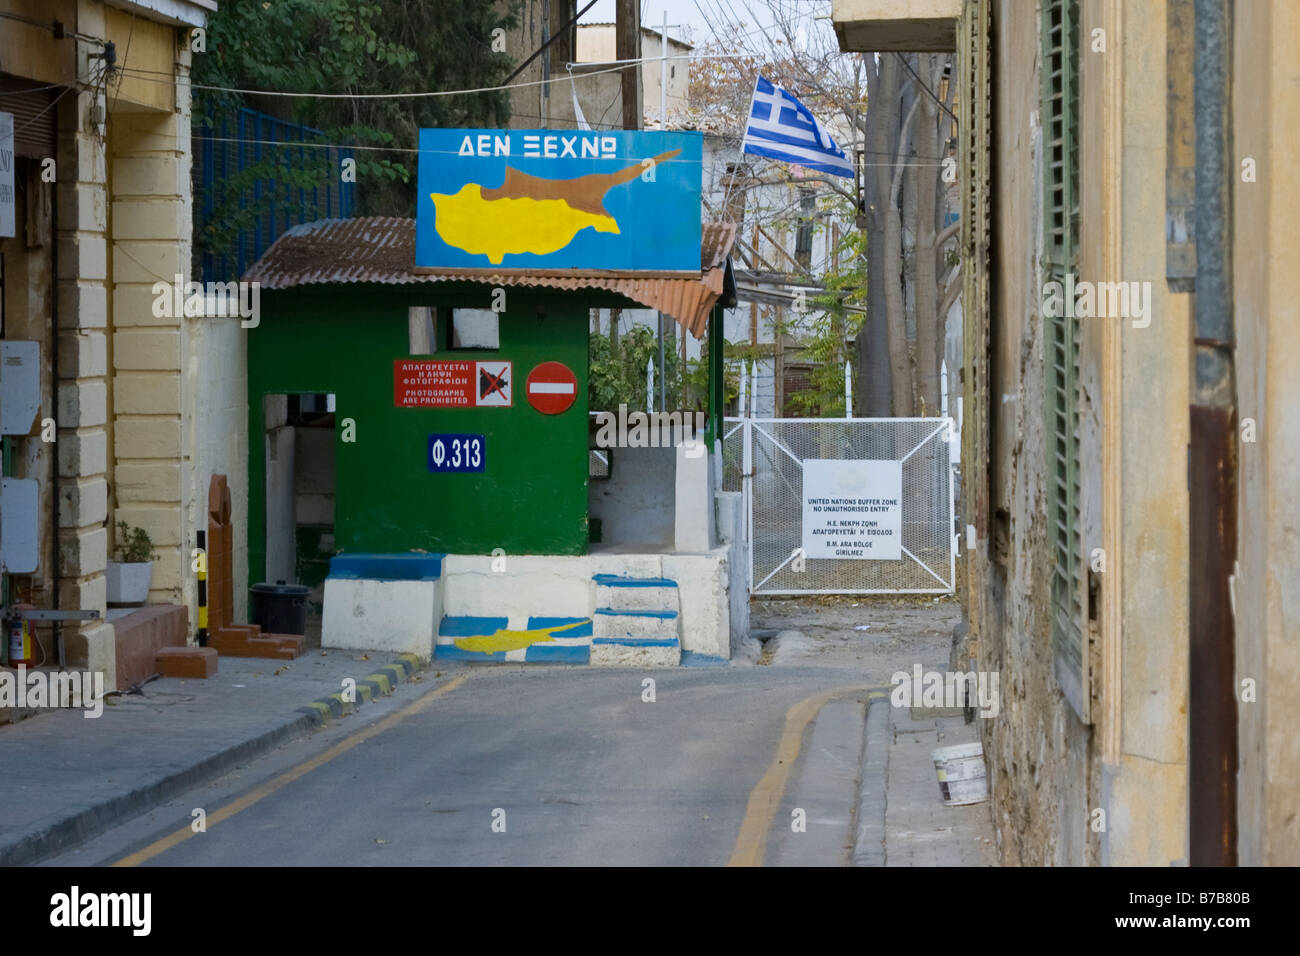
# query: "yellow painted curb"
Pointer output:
{"type": "Point", "coordinates": [324, 710]}
{"type": "Point", "coordinates": [765, 799]}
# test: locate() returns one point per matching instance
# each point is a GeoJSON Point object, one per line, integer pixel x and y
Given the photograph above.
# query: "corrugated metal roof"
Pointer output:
{"type": "Point", "coordinates": [382, 249]}
{"type": "Point", "coordinates": [716, 241]}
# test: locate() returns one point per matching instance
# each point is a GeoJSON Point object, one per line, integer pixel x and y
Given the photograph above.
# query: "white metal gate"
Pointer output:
{"type": "Point", "coordinates": [764, 458]}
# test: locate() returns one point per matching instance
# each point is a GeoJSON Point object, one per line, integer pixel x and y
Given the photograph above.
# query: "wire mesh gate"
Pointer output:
{"type": "Point", "coordinates": [773, 453]}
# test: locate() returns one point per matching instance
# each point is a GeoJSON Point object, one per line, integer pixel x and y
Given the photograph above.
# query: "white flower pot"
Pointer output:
{"type": "Point", "coordinates": [129, 583]}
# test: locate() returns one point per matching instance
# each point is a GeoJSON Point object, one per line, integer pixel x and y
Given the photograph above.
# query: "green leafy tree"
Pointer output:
{"type": "Point", "coordinates": [696, 375]}
{"type": "Point", "coordinates": [619, 377]}
{"type": "Point", "coordinates": [826, 338]}
{"type": "Point", "coordinates": [342, 47]}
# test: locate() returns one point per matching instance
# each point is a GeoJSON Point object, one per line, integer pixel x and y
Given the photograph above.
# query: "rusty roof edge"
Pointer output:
{"type": "Point", "coordinates": [374, 250]}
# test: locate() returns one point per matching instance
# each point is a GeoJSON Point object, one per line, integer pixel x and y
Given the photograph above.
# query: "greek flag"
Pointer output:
{"type": "Point", "coordinates": [780, 127]}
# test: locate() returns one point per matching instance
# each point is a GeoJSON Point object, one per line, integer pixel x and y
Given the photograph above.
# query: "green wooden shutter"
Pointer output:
{"type": "Point", "coordinates": [1060, 110]}
{"type": "Point", "coordinates": [974, 130]}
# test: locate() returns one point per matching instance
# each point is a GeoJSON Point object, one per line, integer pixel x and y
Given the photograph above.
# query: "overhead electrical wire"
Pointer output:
{"type": "Point", "coordinates": [921, 83]}
{"type": "Point", "coordinates": [159, 76]}
{"type": "Point", "coordinates": [80, 86]}
{"type": "Point", "coordinates": [618, 65]}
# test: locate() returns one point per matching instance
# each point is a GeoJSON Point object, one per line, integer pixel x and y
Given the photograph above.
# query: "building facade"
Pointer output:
{"type": "Point", "coordinates": [1128, 580]}
{"type": "Point", "coordinates": [148, 404]}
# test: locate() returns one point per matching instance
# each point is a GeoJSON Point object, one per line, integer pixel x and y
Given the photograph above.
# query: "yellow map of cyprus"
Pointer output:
{"type": "Point", "coordinates": [530, 214]}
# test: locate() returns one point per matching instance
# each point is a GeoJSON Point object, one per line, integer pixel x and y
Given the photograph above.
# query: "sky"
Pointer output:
{"type": "Point", "coordinates": [691, 14]}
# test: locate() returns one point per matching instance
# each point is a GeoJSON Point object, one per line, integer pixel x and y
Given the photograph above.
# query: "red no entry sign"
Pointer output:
{"type": "Point", "coordinates": [551, 388]}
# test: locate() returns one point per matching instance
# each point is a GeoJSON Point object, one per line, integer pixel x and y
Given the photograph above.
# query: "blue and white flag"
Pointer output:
{"type": "Point", "coordinates": [780, 127]}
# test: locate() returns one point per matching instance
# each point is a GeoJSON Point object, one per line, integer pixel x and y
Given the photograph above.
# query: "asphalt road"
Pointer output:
{"type": "Point", "coordinates": [521, 766]}
{"type": "Point", "coordinates": [552, 765]}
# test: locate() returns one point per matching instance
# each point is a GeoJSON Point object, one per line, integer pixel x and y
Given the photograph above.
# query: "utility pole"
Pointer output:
{"type": "Point", "coordinates": [545, 104]}
{"type": "Point", "coordinates": [627, 46]}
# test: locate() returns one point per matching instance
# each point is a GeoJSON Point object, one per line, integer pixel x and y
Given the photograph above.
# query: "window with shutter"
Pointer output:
{"type": "Point", "coordinates": [1060, 110]}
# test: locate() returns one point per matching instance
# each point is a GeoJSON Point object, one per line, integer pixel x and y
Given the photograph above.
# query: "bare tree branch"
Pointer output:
{"type": "Point", "coordinates": [952, 290]}
{"type": "Point", "coordinates": [946, 233]}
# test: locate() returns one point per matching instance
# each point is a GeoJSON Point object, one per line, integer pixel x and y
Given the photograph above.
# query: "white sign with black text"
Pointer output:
{"type": "Point", "coordinates": [853, 509]}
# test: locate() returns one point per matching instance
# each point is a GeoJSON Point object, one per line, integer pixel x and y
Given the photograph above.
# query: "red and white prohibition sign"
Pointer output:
{"type": "Point", "coordinates": [551, 388]}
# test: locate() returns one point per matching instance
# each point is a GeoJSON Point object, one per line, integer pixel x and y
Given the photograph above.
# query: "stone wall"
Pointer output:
{"type": "Point", "coordinates": [1123, 749]}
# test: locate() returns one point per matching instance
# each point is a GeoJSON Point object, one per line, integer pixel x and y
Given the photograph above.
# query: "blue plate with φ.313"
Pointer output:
{"type": "Point", "coordinates": [457, 454]}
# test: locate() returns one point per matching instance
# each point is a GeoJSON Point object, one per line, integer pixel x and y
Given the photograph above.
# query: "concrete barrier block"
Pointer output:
{"type": "Point", "coordinates": [365, 614]}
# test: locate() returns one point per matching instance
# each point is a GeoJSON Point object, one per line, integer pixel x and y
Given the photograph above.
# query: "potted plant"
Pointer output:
{"type": "Point", "coordinates": [129, 575]}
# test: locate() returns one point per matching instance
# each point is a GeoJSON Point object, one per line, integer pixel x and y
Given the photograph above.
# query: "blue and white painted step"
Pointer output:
{"type": "Point", "coordinates": [636, 622]}
{"type": "Point", "coordinates": [635, 594]}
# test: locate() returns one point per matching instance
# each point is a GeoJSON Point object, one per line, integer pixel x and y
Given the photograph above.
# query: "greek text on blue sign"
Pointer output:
{"type": "Point", "coordinates": [542, 199]}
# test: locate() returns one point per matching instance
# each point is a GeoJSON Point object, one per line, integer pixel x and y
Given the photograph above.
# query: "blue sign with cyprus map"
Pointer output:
{"type": "Point", "coordinates": [558, 199]}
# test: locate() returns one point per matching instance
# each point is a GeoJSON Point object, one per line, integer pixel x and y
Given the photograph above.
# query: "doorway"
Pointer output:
{"type": "Point", "coordinates": [300, 495]}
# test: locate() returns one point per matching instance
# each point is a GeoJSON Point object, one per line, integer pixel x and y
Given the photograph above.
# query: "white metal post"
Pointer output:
{"type": "Point", "coordinates": [663, 73]}
{"type": "Point", "coordinates": [956, 445]}
{"type": "Point", "coordinates": [848, 390]}
{"type": "Point", "coordinates": [952, 515]}
{"type": "Point", "coordinates": [663, 126]}
{"type": "Point", "coordinates": [650, 384]}
{"type": "Point", "coordinates": [943, 388]}
{"type": "Point", "coordinates": [744, 389]}
{"type": "Point", "coordinates": [747, 486]}
{"type": "Point", "coordinates": [663, 376]}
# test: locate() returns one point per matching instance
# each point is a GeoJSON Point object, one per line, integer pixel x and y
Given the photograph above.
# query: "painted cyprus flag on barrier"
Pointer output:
{"type": "Point", "coordinates": [780, 127]}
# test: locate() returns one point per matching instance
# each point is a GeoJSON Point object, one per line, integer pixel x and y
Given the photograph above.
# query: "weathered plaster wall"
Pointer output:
{"type": "Point", "coordinates": [215, 431]}
{"type": "Point", "coordinates": [635, 504]}
{"type": "Point", "coordinates": [150, 231]}
{"type": "Point", "coordinates": [314, 475]}
{"type": "Point", "coordinates": [180, 390]}
{"type": "Point", "coordinates": [535, 104]}
{"type": "Point", "coordinates": [596, 44]}
{"type": "Point", "coordinates": [281, 513]}
{"type": "Point", "coordinates": [31, 51]}
{"type": "Point", "coordinates": [1045, 761]}
{"type": "Point", "coordinates": [1266, 106]}
{"type": "Point", "coordinates": [1146, 796]}
{"type": "Point", "coordinates": [151, 49]}
{"type": "Point", "coordinates": [1036, 747]}
{"type": "Point", "coordinates": [84, 432]}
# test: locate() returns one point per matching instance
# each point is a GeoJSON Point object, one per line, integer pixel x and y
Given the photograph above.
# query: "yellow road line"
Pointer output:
{"type": "Point", "coordinates": [765, 800]}
{"type": "Point", "coordinates": [289, 776]}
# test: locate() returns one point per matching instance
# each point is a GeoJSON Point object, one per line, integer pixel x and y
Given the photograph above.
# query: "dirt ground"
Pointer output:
{"type": "Point", "coordinates": [870, 635]}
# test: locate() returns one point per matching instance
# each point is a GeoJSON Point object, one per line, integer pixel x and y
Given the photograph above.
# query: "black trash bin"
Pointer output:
{"type": "Point", "coordinates": [280, 608]}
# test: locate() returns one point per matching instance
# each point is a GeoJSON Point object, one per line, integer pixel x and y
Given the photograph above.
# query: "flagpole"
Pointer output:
{"type": "Point", "coordinates": [663, 128]}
